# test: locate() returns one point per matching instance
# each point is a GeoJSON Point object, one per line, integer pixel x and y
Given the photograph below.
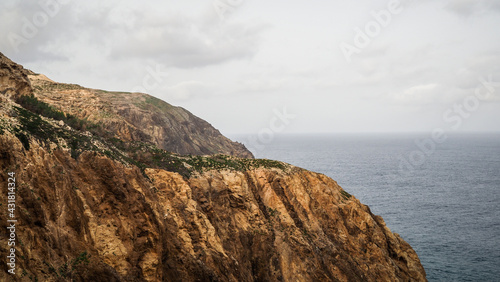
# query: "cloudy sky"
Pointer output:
{"type": "Point", "coordinates": [285, 66]}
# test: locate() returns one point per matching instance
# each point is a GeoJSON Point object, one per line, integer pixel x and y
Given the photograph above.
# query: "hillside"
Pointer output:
{"type": "Point", "coordinates": [133, 117]}
{"type": "Point", "coordinates": [99, 198]}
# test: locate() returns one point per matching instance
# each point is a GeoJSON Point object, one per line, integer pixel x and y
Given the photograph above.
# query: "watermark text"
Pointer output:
{"type": "Point", "coordinates": [454, 118]}
{"type": "Point", "coordinates": [11, 222]}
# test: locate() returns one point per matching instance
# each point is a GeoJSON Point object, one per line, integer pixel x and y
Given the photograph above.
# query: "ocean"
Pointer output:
{"type": "Point", "coordinates": [442, 198]}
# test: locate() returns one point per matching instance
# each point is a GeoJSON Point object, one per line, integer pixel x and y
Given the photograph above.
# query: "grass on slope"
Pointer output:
{"type": "Point", "coordinates": [140, 154]}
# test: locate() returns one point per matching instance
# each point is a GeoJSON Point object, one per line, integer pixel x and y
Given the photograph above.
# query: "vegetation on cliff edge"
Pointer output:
{"type": "Point", "coordinates": [86, 136]}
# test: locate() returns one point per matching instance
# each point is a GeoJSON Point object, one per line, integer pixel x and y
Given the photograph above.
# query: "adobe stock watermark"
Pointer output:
{"type": "Point", "coordinates": [151, 80]}
{"type": "Point", "coordinates": [278, 123]}
{"type": "Point", "coordinates": [11, 222]}
{"type": "Point", "coordinates": [223, 7]}
{"type": "Point", "coordinates": [30, 27]}
{"type": "Point", "coordinates": [454, 118]}
{"type": "Point", "coordinates": [363, 37]}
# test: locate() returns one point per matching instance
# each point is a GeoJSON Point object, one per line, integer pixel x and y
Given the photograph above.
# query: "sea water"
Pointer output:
{"type": "Point", "coordinates": [442, 198]}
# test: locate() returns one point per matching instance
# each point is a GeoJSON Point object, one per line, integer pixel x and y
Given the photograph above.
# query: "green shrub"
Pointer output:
{"type": "Point", "coordinates": [345, 195]}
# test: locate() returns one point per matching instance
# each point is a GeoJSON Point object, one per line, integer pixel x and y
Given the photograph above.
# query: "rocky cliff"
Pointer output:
{"type": "Point", "coordinates": [98, 206]}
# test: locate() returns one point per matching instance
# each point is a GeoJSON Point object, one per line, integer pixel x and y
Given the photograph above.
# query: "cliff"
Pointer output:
{"type": "Point", "coordinates": [95, 206]}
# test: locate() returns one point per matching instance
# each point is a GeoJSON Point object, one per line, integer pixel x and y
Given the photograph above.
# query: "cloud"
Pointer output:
{"type": "Point", "coordinates": [186, 90]}
{"type": "Point", "coordinates": [485, 63]}
{"type": "Point", "coordinates": [418, 94]}
{"type": "Point", "coordinates": [260, 85]}
{"type": "Point", "coordinates": [468, 8]}
{"type": "Point", "coordinates": [27, 27]}
{"type": "Point", "coordinates": [162, 33]}
{"type": "Point", "coordinates": [185, 42]}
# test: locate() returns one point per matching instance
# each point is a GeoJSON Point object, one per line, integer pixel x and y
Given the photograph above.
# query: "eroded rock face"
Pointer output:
{"type": "Point", "coordinates": [263, 224]}
{"type": "Point", "coordinates": [13, 79]}
{"type": "Point", "coordinates": [97, 217]}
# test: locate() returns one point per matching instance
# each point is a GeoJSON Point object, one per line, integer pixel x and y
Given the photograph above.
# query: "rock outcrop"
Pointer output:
{"type": "Point", "coordinates": [13, 79]}
{"type": "Point", "coordinates": [91, 208]}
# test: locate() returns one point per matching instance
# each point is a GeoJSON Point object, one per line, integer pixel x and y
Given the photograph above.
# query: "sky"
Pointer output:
{"type": "Point", "coordinates": [269, 67]}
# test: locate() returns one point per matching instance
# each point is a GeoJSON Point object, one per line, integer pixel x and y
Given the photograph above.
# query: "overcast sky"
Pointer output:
{"type": "Point", "coordinates": [287, 66]}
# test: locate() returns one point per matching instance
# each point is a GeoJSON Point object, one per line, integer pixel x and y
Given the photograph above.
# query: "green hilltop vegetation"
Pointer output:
{"type": "Point", "coordinates": [34, 117]}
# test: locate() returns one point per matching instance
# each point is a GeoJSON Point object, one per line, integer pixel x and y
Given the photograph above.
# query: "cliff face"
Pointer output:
{"type": "Point", "coordinates": [107, 210]}
{"type": "Point", "coordinates": [263, 224]}
{"type": "Point", "coordinates": [13, 79]}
